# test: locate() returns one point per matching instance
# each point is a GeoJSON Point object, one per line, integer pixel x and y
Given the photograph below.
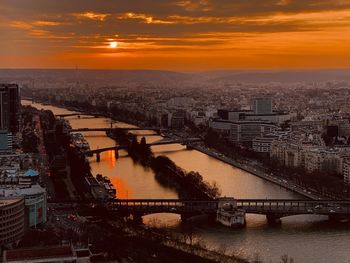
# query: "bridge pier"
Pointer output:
{"type": "Point", "coordinates": [337, 218]}
{"type": "Point", "coordinates": [273, 219]}
{"type": "Point", "coordinates": [211, 218]}
{"type": "Point", "coordinates": [116, 153]}
{"type": "Point", "coordinates": [188, 146]}
{"type": "Point", "coordinates": [98, 157]}
{"type": "Point", "coordinates": [184, 217]}
{"type": "Point", "coordinates": [137, 218]}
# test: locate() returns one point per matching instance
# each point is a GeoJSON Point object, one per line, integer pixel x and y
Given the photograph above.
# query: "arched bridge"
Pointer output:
{"type": "Point", "coordinates": [176, 141]}
{"type": "Point", "coordinates": [79, 114]}
{"type": "Point", "coordinates": [141, 207]}
{"type": "Point", "coordinates": [116, 128]}
{"type": "Point", "coordinates": [273, 208]}
{"type": "Point", "coordinates": [121, 147]}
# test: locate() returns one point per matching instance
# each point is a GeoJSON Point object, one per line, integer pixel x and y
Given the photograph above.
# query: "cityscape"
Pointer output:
{"type": "Point", "coordinates": [175, 131]}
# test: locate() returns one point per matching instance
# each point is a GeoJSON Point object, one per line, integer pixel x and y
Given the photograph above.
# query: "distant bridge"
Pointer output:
{"type": "Point", "coordinates": [116, 129]}
{"type": "Point", "coordinates": [272, 208]}
{"type": "Point", "coordinates": [186, 141]}
{"type": "Point", "coordinates": [121, 147]}
{"type": "Point", "coordinates": [96, 115]}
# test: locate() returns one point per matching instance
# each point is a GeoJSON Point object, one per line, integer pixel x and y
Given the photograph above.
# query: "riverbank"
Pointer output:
{"type": "Point", "coordinates": [301, 184]}
{"type": "Point", "coordinates": [253, 170]}
{"type": "Point", "coordinates": [189, 185]}
{"type": "Point", "coordinates": [248, 167]}
{"type": "Point", "coordinates": [184, 243]}
{"type": "Point", "coordinates": [95, 111]}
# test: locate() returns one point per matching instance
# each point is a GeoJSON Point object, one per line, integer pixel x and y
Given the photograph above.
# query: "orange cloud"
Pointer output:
{"type": "Point", "coordinates": [288, 34]}
{"type": "Point", "coordinates": [146, 18]}
{"type": "Point", "coordinates": [92, 16]}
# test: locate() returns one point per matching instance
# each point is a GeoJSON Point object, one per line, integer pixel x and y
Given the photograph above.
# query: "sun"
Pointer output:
{"type": "Point", "coordinates": [113, 44]}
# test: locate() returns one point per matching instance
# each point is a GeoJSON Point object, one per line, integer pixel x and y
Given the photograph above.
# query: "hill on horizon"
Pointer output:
{"type": "Point", "coordinates": [166, 77]}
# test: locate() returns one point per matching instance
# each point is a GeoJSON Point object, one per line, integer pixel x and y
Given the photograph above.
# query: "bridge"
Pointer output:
{"type": "Point", "coordinates": [274, 209]}
{"type": "Point", "coordinates": [158, 129]}
{"type": "Point", "coordinates": [96, 115]}
{"type": "Point", "coordinates": [115, 148]}
{"type": "Point", "coordinates": [98, 152]}
{"type": "Point", "coordinates": [186, 141]}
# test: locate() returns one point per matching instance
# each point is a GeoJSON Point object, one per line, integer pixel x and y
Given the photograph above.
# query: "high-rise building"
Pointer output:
{"type": "Point", "coordinates": [12, 216]}
{"type": "Point", "coordinates": [9, 107]}
{"type": "Point", "coordinates": [262, 105]}
{"type": "Point", "coordinates": [5, 141]}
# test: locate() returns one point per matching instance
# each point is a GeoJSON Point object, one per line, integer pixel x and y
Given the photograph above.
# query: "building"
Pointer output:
{"type": "Point", "coordinates": [247, 131]}
{"type": "Point", "coordinates": [326, 160]}
{"type": "Point", "coordinates": [19, 179]}
{"type": "Point", "coordinates": [232, 115]}
{"type": "Point", "coordinates": [35, 202]}
{"type": "Point", "coordinates": [5, 141]}
{"type": "Point", "coordinates": [316, 126]}
{"type": "Point", "coordinates": [242, 131]}
{"type": "Point", "coordinates": [221, 126]}
{"type": "Point", "coordinates": [248, 115]}
{"type": "Point", "coordinates": [310, 153]}
{"type": "Point", "coordinates": [9, 107]}
{"type": "Point", "coordinates": [12, 217]}
{"type": "Point", "coordinates": [346, 171]}
{"type": "Point", "coordinates": [178, 119]}
{"type": "Point", "coordinates": [275, 117]}
{"type": "Point", "coordinates": [54, 254]}
{"type": "Point", "coordinates": [262, 105]}
{"type": "Point", "coordinates": [263, 144]}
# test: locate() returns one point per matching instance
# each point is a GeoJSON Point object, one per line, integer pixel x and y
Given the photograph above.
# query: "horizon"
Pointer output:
{"type": "Point", "coordinates": [238, 70]}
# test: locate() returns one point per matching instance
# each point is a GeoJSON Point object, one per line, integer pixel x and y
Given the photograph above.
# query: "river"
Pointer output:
{"type": "Point", "coordinates": [304, 238]}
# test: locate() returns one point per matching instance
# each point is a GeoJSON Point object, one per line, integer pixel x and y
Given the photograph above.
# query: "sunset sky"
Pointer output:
{"type": "Point", "coordinates": [175, 34]}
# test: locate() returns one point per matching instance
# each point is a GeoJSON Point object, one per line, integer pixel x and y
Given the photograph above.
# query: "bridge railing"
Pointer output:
{"type": "Point", "coordinates": [164, 205]}
{"type": "Point", "coordinates": [295, 207]}
{"type": "Point", "coordinates": [279, 207]}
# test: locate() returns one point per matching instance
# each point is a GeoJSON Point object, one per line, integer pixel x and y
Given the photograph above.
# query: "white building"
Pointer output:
{"type": "Point", "coordinates": [263, 144]}
{"type": "Point", "coordinates": [324, 159]}
{"type": "Point", "coordinates": [35, 202]}
{"type": "Point", "coordinates": [346, 171]}
{"type": "Point", "coordinates": [17, 180]}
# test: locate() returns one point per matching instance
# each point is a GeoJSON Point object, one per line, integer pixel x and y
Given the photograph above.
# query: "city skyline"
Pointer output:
{"type": "Point", "coordinates": [175, 35]}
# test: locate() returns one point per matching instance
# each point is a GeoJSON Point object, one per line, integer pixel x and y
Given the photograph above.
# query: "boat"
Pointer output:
{"type": "Point", "coordinates": [228, 214]}
{"type": "Point", "coordinates": [80, 142]}
{"type": "Point", "coordinates": [232, 218]}
{"type": "Point", "coordinates": [107, 185]}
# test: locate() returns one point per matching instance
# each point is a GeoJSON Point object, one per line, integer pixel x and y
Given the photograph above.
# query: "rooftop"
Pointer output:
{"type": "Point", "coordinates": [27, 254]}
{"type": "Point", "coordinates": [8, 201]}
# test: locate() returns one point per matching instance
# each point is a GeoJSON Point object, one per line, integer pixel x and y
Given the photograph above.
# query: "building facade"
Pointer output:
{"type": "Point", "coordinates": [263, 144]}
{"type": "Point", "coordinates": [9, 107]}
{"type": "Point", "coordinates": [247, 131]}
{"type": "Point", "coordinates": [262, 105]}
{"type": "Point", "coordinates": [346, 171]}
{"type": "Point", "coordinates": [12, 217]}
{"type": "Point", "coordinates": [5, 141]}
{"type": "Point", "coordinates": [18, 179]}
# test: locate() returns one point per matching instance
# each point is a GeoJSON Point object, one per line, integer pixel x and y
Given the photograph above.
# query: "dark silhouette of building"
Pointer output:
{"type": "Point", "coordinates": [9, 107]}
